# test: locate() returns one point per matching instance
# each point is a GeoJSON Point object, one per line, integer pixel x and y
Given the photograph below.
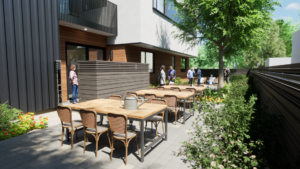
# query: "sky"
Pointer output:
{"type": "Point", "coordinates": [289, 9]}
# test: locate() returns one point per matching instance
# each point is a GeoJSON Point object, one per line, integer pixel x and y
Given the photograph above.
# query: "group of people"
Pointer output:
{"type": "Point", "coordinates": [190, 75]}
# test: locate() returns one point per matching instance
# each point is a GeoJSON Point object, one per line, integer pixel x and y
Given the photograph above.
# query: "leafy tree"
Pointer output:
{"type": "Point", "coordinates": [286, 30]}
{"type": "Point", "coordinates": [272, 46]}
{"type": "Point", "coordinates": [226, 23]}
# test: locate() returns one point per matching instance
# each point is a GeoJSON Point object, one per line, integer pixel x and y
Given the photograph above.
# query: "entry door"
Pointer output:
{"type": "Point", "coordinates": [75, 53]}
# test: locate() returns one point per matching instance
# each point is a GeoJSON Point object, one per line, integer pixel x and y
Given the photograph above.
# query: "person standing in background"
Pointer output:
{"type": "Point", "coordinates": [198, 75]}
{"type": "Point", "coordinates": [74, 83]}
{"type": "Point", "coordinates": [171, 70]}
{"type": "Point", "coordinates": [162, 75]}
{"type": "Point", "coordinates": [227, 74]}
{"type": "Point", "coordinates": [172, 79]}
{"type": "Point", "coordinates": [190, 76]}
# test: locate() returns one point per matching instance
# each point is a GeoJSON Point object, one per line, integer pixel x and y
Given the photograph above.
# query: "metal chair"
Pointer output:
{"type": "Point", "coordinates": [152, 96]}
{"type": "Point", "coordinates": [129, 94]}
{"type": "Point", "coordinates": [89, 120]}
{"type": "Point", "coordinates": [172, 105]}
{"type": "Point", "coordinates": [176, 89]}
{"type": "Point", "coordinates": [168, 89]}
{"type": "Point", "coordinates": [172, 85]}
{"type": "Point", "coordinates": [65, 115]}
{"type": "Point", "coordinates": [152, 88]}
{"type": "Point", "coordinates": [189, 101]}
{"type": "Point", "coordinates": [157, 118]}
{"type": "Point", "coordinates": [115, 97]}
{"type": "Point", "coordinates": [118, 128]}
{"type": "Point", "coordinates": [160, 88]}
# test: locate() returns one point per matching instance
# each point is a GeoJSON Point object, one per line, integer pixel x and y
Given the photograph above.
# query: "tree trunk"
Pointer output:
{"type": "Point", "coordinates": [221, 70]}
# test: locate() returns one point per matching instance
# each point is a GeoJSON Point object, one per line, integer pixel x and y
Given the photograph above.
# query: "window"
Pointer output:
{"type": "Point", "coordinates": [159, 5]}
{"type": "Point", "coordinates": [183, 64]}
{"type": "Point", "coordinates": [173, 62]}
{"type": "Point", "coordinates": [165, 7]}
{"type": "Point", "coordinates": [147, 57]}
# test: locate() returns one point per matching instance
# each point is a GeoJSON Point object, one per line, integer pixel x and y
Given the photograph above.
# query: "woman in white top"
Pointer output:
{"type": "Point", "coordinates": [162, 75]}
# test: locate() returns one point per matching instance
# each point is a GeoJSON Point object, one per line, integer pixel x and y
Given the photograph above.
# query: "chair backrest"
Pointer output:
{"type": "Point", "coordinates": [117, 123]}
{"type": "Point", "coordinates": [152, 88]}
{"type": "Point", "coordinates": [65, 114]}
{"type": "Point", "coordinates": [89, 118]}
{"type": "Point", "coordinates": [152, 96]}
{"type": "Point", "coordinates": [168, 89]}
{"type": "Point", "coordinates": [185, 85]}
{"type": "Point", "coordinates": [176, 89]}
{"type": "Point", "coordinates": [192, 89]}
{"type": "Point", "coordinates": [160, 88]}
{"type": "Point", "coordinates": [172, 85]}
{"type": "Point", "coordinates": [171, 100]}
{"type": "Point", "coordinates": [200, 85]}
{"type": "Point", "coordinates": [159, 101]}
{"type": "Point", "coordinates": [115, 97]}
{"type": "Point", "coordinates": [186, 90]}
{"type": "Point", "coordinates": [129, 94]}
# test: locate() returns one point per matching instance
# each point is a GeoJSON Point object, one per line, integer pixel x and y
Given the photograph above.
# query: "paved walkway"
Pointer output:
{"type": "Point", "coordinates": [41, 149]}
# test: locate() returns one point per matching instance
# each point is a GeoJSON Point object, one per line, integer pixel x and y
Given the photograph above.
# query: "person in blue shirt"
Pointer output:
{"type": "Point", "coordinates": [171, 70]}
{"type": "Point", "coordinates": [198, 75]}
{"type": "Point", "coordinates": [190, 76]}
{"type": "Point", "coordinates": [211, 79]}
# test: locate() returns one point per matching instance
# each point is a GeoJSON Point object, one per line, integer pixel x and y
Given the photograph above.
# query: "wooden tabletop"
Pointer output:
{"type": "Point", "coordinates": [198, 89]}
{"type": "Point", "coordinates": [105, 106]}
{"type": "Point", "coordinates": [159, 93]}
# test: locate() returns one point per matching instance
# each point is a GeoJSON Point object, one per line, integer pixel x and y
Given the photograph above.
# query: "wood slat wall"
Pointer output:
{"type": "Point", "coordinates": [129, 53]}
{"type": "Point", "coordinates": [282, 94]}
{"type": "Point", "coordinates": [100, 79]}
{"type": "Point", "coordinates": [80, 37]}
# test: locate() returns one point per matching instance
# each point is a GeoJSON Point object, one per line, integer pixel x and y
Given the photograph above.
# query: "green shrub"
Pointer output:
{"type": "Point", "coordinates": [7, 114]}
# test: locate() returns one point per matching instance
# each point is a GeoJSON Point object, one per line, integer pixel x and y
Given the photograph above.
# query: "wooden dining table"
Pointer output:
{"type": "Point", "coordinates": [144, 112]}
{"type": "Point", "coordinates": [180, 95]}
{"type": "Point", "coordinates": [198, 89]}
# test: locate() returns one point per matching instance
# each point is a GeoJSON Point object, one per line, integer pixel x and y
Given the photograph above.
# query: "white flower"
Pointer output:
{"type": "Point", "coordinates": [229, 161]}
{"type": "Point", "coordinates": [236, 152]}
{"type": "Point", "coordinates": [232, 142]}
{"type": "Point", "coordinates": [246, 152]}
{"type": "Point", "coordinates": [220, 136]}
{"type": "Point", "coordinates": [229, 135]}
{"type": "Point", "coordinates": [212, 156]}
{"type": "Point", "coordinates": [239, 141]}
{"type": "Point", "coordinates": [228, 124]}
{"type": "Point", "coordinates": [213, 144]}
{"type": "Point", "coordinates": [233, 165]}
{"type": "Point", "coordinates": [200, 156]}
{"type": "Point", "coordinates": [251, 141]}
{"type": "Point", "coordinates": [233, 131]}
{"type": "Point", "coordinates": [224, 160]}
{"type": "Point", "coordinates": [253, 156]}
{"type": "Point", "coordinates": [220, 166]}
{"type": "Point", "coordinates": [254, 168]}
{"type": "Point", "coordinates": [213, 163]}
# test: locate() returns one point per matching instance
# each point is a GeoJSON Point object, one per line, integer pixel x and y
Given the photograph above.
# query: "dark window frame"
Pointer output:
{"type": "Point", "coordinates": [153, 60]}
{"type": "Point", "coordinates": [173, 65]}
{"type": "Point", "coordinates": [183, 70]}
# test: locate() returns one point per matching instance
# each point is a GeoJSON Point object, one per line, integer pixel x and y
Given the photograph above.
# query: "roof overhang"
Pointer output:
{"type": "Point", "coordinates": [152, 47]}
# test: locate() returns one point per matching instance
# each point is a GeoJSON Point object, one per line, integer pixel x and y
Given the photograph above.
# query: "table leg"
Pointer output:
{"type": "Point", "coordinates": [166, 124]}
{"type": "Point", "coordinates": [68, 134]}
{"type": "Point", "coordinates": [193, 105]}
{"type": "Point", "coordinates": [142, 142]}
{"type": "Point", "coordinates": [184, 111]}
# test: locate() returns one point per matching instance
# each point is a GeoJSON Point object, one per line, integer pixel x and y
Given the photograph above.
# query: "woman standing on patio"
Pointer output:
{"type": "Point", "coordinates": [162, 75]}
{"type": "Point", "coordinates": [74, 83]}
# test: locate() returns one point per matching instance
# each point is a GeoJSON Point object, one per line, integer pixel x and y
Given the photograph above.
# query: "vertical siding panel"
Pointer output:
{"type": "Point", "coordinates": [11, 54]}
{"type": "Point", "coordinates": [20, 54]}
{"type": "Point", "coordinates": [28, 55]}
{"type": "Point", "coordinates": [36, 54]}
{"type": "Point", "coordinates": [50, 57]}
{"type": "Point", "coordinates": [4, 89]}
{"type": "Point", "coordinates": [43, 54]}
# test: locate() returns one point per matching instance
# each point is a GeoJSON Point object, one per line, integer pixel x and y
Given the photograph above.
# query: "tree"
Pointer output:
{"type": "Point", "coordinates": [226, 23]}
{"type": "Point", "coordinates": [272, 46]}
{"type": "Point", "coordinates": [286, 31]}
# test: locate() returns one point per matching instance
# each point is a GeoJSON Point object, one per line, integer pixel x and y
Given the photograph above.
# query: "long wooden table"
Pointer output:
{"type": "Point", "coordinates": [144, 112]}
{"type": "Point", "coordinates": [198, 89]}
{"type": "Point", "coordinates": [180, 95]}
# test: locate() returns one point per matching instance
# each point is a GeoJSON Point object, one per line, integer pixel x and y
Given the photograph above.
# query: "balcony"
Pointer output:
{"type": "Point", "coordinates": [94, 14]}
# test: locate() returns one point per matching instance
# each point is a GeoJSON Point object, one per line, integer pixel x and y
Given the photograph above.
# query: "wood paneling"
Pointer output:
{"type": "Point", "coordinates": [80, 37]}
{"type": "Point", "coordinates": [93, 55]}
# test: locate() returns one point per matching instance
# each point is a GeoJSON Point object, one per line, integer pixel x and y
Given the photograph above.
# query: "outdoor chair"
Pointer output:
{"type": "Point", "coordinates": [172, 85]}
{"type": "Point", "coordinates": [188, 102]}
{"type": "Point", "coordinates": [89, 120]}
{"type": "Point", "coordinates": [160, 88]}
{"type": "Point", "coordinates": [115, 97]}
{"type": "Point", "coordinates": [118, 128]}
{"type": "Point", "coordinates": [172, 105]}
{"type": "Point", "coordinates": [185, 85]}
{"type": "Point", "coordinates": [130, 94]}
{"type": "Point", "coordinates": [152, 96]}
{"type": "Point", "coordinates": [176, 89]}
{"type": "Point", "coordinates": [157, 118]}
{"type": "Point", "coordinates": [65, 115]}
{"type": "Point", "coordinates": [168, 89]}
{"type": "Point", "coordinates": [152, 88]}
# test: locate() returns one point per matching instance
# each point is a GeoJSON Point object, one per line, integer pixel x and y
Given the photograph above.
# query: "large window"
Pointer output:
{"type": "Point", "coordinates": [165, 7]}
{"type": "Point", "coordinates": [147, 57]}
{"type": "Point", "coordinates": [173, 62]}
{"type": "Point", "coordinates": [183, 64]}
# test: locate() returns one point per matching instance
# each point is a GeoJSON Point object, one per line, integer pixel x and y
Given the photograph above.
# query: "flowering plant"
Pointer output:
{"type": "Point", "coordinates": [221, 138]}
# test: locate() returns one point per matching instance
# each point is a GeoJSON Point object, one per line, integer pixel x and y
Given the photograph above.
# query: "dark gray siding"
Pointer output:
{"type": "Point", "coordinates": [29, 46]}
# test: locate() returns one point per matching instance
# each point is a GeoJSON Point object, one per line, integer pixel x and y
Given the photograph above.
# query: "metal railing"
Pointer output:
{"type": "Point", "coordinates": [96, 14]}
{"type": "Point", "coordinates": [279, 88]}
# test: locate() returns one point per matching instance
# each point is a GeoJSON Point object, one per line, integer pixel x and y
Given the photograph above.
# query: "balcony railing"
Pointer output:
{"type": "Point", "coordinates": [96, 14]}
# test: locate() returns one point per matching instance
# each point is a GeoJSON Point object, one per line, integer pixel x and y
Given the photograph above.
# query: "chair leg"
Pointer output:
{"type": "Point", "coordinates": [62, 136]}
{"type": "Point", "coordinates": [76, 134]}
{"type": "Point", "coordinates": [137, 145]}
{"type": "Point", "coordinates": [175, 116]}
{"type": "Point", "coordinates": [72, 134]}
{"type": "Point", "coordinates": [179, 117]}
{"type": "Point", "coordinates": [112, 148]}
{"type": "Point", "coordinates": [101, 119]}
{"type": "Point", "coordinates": [126, 151]}
{"type": "Point", "coordinates": [130, 121]}
{"type": "Point", "coordinates": [151, 127]}
{"type": "Point", "coordinates": [162, 124]}
{"type": "Point", "coordinates": [97, 138]}
{"type": "Point", "coordinates": [84, 142]}
{"type": "Point", "coordinates": [156, 124]}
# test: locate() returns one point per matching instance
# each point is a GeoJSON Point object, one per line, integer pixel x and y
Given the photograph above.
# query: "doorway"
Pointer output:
{"type": "Point", "coordinates": [77, 52]}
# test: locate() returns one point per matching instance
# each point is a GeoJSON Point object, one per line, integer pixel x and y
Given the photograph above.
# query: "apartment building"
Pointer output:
{"type": "Point", "coordinates": [36, 33]}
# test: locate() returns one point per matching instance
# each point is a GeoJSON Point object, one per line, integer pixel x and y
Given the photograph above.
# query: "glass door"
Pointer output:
{"type": "Point", "coordinates": [75, 53]}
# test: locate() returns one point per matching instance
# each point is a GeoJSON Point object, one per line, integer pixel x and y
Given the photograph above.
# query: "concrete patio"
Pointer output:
{"type": "Point", "coordinates": [41, 149]}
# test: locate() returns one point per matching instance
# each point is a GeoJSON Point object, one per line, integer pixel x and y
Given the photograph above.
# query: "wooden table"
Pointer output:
{"type": "Point", "coordinates": [198, 89]}
{"type": "Point", "coordinates": [180, 95]}
{"type": "Point", "coordinates": [144, 112]}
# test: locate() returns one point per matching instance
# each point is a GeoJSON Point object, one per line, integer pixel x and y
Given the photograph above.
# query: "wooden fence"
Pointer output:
{"type": "Point", "coordinates": [279, 88]}
{"type": "Point", "coordinates": [100, 79]}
